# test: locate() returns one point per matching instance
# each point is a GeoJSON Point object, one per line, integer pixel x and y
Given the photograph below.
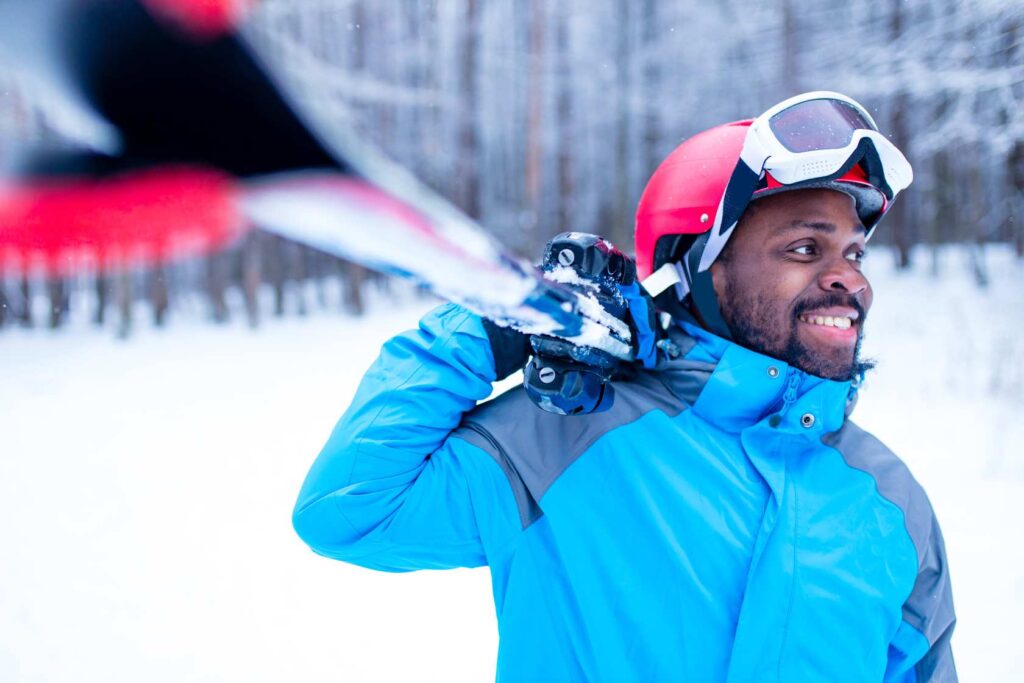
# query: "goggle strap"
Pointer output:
{"type": "Point", "coordinates": [875, 168]}
{"type": "Point", "coordinates": [739, 190]}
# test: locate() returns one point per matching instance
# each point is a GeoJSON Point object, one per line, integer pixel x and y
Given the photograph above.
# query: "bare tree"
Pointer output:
{"type": "Point", "coordinates": [216, 286]}
{"type": "Point", "coordinates": [5, 304]}
{"type": "Point", "coordinates": [467, 193]}
{"type": "Point", "coordinates": [564, 113]}
{"type": "Point", "coordinates": [159, 294]}
{"type": "Point", "coordinates": [252, 271]}
{"type": "Point", "coordinates": [24, 314]}
{"type": "Point", "coordinates": [124, 294]}
{"type": "Point", "coordinates": [59, 300]}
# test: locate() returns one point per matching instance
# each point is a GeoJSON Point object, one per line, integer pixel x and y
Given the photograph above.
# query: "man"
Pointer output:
{"type": "Point", "coordinates": [724, 520]}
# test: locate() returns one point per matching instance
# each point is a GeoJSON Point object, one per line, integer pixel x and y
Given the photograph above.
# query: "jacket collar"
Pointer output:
{"type": "Point", "coordinates": [734, 388]}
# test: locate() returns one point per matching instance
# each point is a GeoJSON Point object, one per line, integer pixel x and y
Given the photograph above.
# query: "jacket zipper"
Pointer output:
{"type": "Point", "coordinates": [789, 397]}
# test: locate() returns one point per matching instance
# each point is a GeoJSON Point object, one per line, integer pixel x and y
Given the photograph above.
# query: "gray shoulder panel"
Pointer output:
{"type": "Point", "coordinates": [472, 433]}
{"type": "Point", "coordinates": [534, 447]}
{"type": "Point", "coordinates": [937, 665]}
{"type": "Point", "coordinates": [687, 378]}
{"type": "Point", "coordinates": [929, 608]}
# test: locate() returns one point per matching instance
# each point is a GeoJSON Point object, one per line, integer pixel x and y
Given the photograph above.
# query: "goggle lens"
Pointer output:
{"type": "Point", "coordinates": [818, 124]}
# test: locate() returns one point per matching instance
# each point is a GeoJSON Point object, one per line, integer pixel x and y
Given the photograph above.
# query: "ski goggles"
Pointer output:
{"type": "Point", "coordinates": [809, 140]}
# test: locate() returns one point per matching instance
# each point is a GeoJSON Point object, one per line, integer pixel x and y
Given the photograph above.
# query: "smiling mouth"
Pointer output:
{"type": "Point", "coordinates": [842, 322]}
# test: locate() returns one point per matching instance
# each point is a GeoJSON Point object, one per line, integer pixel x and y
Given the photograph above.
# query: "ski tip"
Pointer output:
{"type": "Point", "coordinates": [125, 220]}
{"type": "Point", "coordinates": [201, 19]}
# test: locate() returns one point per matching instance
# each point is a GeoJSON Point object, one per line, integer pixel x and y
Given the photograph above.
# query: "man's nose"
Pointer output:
{"type": "Point", "coordinates": [844, 275]}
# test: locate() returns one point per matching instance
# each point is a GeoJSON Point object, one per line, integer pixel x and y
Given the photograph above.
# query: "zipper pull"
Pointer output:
{"type": "Point", "coordinates": [789, 397]}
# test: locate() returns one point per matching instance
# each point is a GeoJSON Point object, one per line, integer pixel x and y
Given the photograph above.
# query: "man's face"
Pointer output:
{"type": "Point", "coordinates": [790, 282]}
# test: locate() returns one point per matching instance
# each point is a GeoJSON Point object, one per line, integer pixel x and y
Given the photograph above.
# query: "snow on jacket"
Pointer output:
{"type": "Point", "coordinates": [724, 521]}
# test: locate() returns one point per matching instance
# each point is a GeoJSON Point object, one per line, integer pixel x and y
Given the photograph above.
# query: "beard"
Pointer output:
{"type": "Point", "coordinates": [766, 326]}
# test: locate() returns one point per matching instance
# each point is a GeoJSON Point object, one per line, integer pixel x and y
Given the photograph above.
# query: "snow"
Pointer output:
{"type": "Point", "coordinates": [567, 276]}
{"type": "Point", "coordinates": [598, 321]}
{"type": "Point", "coordinates": [146, 489]}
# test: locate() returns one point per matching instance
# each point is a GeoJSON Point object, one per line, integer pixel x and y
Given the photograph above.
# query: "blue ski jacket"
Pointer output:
{"type": "Point", "coordinates": [724, 521]}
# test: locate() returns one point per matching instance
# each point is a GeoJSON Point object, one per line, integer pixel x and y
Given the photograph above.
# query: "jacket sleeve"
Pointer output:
{"type": "Point", "coordinates": [921, 650]}
{"type": "Point", "coordinates": [390, 490]}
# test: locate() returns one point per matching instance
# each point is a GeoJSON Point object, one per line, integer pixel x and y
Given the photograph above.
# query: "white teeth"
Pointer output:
{"type": "Point", "coordinates": [840, 322]}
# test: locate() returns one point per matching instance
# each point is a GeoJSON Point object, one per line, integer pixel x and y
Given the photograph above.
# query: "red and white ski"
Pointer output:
{"type": "Point", "coordinates": [194, 140]}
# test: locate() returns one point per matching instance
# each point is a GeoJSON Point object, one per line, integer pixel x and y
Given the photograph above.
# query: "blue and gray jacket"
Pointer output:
{"type": "Point", "coordinates": [724, 521]}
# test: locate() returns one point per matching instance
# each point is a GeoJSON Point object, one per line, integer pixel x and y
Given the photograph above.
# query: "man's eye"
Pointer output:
{"type": "Point", "coordinates": [804, 250]}
{"type": "Point", "coordinates": [857, 256]}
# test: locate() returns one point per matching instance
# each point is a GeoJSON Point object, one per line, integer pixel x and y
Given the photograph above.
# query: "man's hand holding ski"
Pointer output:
{"type": "Point", "coordinates": [574, 378]}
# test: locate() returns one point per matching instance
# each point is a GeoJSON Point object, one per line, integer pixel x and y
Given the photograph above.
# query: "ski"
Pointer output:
{"type": "Point", "coordinates": [178, 104]}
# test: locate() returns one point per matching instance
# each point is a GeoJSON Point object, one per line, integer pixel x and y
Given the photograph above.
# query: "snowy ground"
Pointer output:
{"type": "Point", "coordinates": [146, 489]}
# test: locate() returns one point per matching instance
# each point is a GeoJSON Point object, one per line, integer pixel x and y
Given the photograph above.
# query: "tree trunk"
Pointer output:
{"type": "Point", "coordinates": [653, 85]}
{"type": "Point", "coordinates": [790, 41]}
{"type": "Point", "coordinates": [159, 296]}
{"type": "Point", "coordinates": [216, 284]}
{"type": "Point", "coordinates": [251, 275]}
{"type": "Point", "coordinates": [102, 286]}
{"type": "Point", "coordinates": [124, 296]}
{"type": "Point", "coordinates": [565, 122]}
{"type": "Point", "coordinates": [4, 302]}
{"type": "Point", "coordinates": [978, 212]}
{"type": "Point", "coordinates": [318, 270]}
{"type": "Point", "coordinates": [275, 263]}
{"type": "Point", "coordinates": [898, 220]}
{"type": "Point", "coordinates": [467, 184]}
{"type": "Point", "coordinates": [297, 275]}
{"type": "Point", "coordinates": [1015, 159]}
{"type": "Point", "coordinates": [535, 124]}
{"type": "Point", "coordinates": [24, 315]}
{"type": "Point", "coordinates": [1016, 194]}
{"type": "Point", "coordinates": [353, 278]}
{"type": "Point", "coordinates": [59, 299]}
{"type": "Point", "coordinates": [622, 213]}
{"type": "Point", "coordinates": [945, 200]}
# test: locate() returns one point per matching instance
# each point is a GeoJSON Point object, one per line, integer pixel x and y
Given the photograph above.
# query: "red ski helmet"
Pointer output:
{"type": "Point", "coordinates": [684, 195]}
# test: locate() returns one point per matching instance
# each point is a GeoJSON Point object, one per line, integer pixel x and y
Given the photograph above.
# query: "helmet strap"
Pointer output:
{"type": "Point", "coordinates": [702, 291]}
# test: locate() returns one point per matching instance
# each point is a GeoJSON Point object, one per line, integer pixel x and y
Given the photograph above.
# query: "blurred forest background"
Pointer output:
{"type": "Point", "coordinates": [540, 116]}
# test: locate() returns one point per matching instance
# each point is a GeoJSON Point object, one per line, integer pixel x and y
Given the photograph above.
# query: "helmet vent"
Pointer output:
{"type": "Point", "coordinates": [815, 168]}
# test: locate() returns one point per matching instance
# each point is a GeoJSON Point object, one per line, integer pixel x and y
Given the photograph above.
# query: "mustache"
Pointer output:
{"type": "Point", "coordinates": [830, 299]}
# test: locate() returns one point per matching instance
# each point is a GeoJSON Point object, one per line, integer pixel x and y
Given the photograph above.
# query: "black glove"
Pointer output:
{"type": "Point", "coordinates": [511, 348]}
{"type": "Point", "coordinates": [569, 379]}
